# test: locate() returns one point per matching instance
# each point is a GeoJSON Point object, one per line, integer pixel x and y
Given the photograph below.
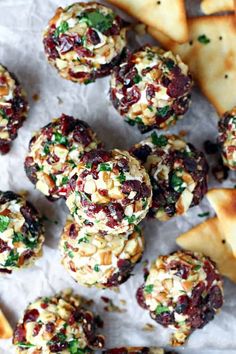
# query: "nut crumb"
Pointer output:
{"type": "Point", "coordinates": [148, 327]}
{"type": "Point", "coordinates": [36, 97]}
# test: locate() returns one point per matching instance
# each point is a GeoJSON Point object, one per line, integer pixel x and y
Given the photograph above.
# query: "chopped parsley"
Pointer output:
{"type": "Point", "coordinates": [3, 114]}
{"type": "Point", "coordinates": [150, 54]}
{"type": "Point", "coordinates": [70, 254]}
{"type": "Point", "coordinates": [150, 108]}
{"type": "Point", "coordinates": [169, 64]}
{"type": "Point", "coordinates": [162, 112]}
{"type": "Point", "coordinates": [137, 79]}
{"type": "Point", "coordinates": [73, 347]}
{"type": "Point", "coordinates": [138, 120]}
{"type": "Point", "coordinates": [25, 345]}
{"type": "Point", "coordinates": [88, 81]}
{"type": "Point", "coordinates": [60, 139]}
{"type": "Point", "coordinates": [89, 165]}
{"type": "Point", "coordinates": [96, 268]}
{"type": "Point", "coordinates": [46, 149]}
{"type": "Point", "coordinates": [4, 222]}
{"type": "Point", "coordinates": [121, 178]}
{"type": "Point", "coordinates": [98, 20]}
{"type": "Point", "coordinates": [64, 180]}
{"type": "Point", "coordinates": [203, 39]}
{"type": "Point", "coordinates": [83, 239]}
{"type": "Point", "coordinates": [177, 183]}
{"type": "Point", "coordinates": [159, 140]}
{"type": "Point", "coordinates": [104, 167]}
{"type": "Point", "coordinates": [61, 29]}
{"type": "Point", "coordinates": [12, 259]}
{"type": "Point", "coordinates": [130, 219]}
{"type": "Point", "coordinates": [161, 309]}
{"type": "Point", "coordinates": [18, 237]}
{"type": "Point", "coordinates": [197, 267]}
{"type": "Point", "coordinates": [203, 215]}
{"type": "Point", "coordinates": [148, 288]}
{"type": "Point", "coordinates": [130, 121]}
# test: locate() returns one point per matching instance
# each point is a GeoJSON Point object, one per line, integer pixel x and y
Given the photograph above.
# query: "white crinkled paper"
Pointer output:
{"type": "Point", "coordinates": [21, 50]}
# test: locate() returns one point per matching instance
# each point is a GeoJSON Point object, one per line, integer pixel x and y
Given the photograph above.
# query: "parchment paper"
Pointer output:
{"type": "Point", "coordinates": [21, 50]}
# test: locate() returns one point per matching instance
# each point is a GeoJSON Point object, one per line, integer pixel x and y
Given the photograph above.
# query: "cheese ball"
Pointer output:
{"type": "Point", "coordinates": [178, 174]}
{"type": "Point", "coordinates": [54, 151]}
{"type": "Point", "coordinates": [227, 138]}
{"type": "Point", "coordinates": [151, 88]}
{"type": "Point", "coordinates": [184, 291]}
{"type": "Point", "coordinates": [99, 260]}
{"type": "Point", "coordinates": [57, 324]}
{"type": "Point", "coordinates": [21, 232]}
{"type": "Point", "coordinates": [109, 192]}
{"type": "Point", "coordinates": [13, 108]}
{"type": "Point", "coordinates": [84, 41]}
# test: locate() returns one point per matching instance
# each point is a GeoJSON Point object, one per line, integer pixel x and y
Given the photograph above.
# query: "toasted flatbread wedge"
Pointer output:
{"type": "Point", "coordinates": [5, 328]}
{"type": "Point", "coordinates": [213, 6]}
{"type": "Point", "coordinates": [224, 203]}
{"type": "Point", "coordinates": [167, 16]}
{"type": "Point", "coordinates": [211, 56]}
{"type": "Point", "coordinates": [208, 239]}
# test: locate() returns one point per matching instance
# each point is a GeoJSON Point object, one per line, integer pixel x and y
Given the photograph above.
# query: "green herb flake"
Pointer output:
{"type": "Point", "coordinates": [25, 345]}
{"type": "Point", "coordinates": [161, 309]}
{"type": "Point", "coordinates": [203, 215]}
{"type": "Point", "coordinates": [148, 288]}
{"type": "Point", "coordinates": [73, 347]}
{"type": "Point", "coordinates": [98, 20]}
{"type": "Point", "coordinates": [12, 259]}
{"type": "Point", "coordinates": [61, 29]}
{"type": "Point", "coordinates": [159, 140]}
{"type": "Point", "coordinates": [3, 114]}
{"type": "Point", "coordinates": [203, 39]}
{"type": "Point", "coordinates": [130, 219]}
{"type": "Point", "coordinates": [46, 149]}
{"type": "Point", "coordinates": [177, 182]}
{"type": "Point", "coordinates": [64, 180]}
{"type": "Point", "coordinates": [84, 240]}
{"type": "Point", "coordinates": [18, 237]}
{"type": "Point", "coordinates": [60, 139]}
{"type": "Point", "coordinates": [130, 121]}
{"type": "Point", "coordinates": [162, 112]}
{"type": "Point", "coordinates": [104, 167]}
{"type": "Point", "coordinates": [70, 254]}
{"type": "Point", "coordinates": [197, 267]}
{"type": "Point", "coordinates": [88, 165]}
{"type": "Point", "coordinates": [121, 178]}
{"type": "Point", "coordinates": [137, 78]}
{"type": "Point", "coordinates": [150, 55]}
{"type": "Point", "coordinates": [4, 222]}
{"type": "Point", "coordinates": [96, 268]}
{"type": "Point", "coordinates": [150, 108]}
{"type": "Point", "coordinates": [138, 120]}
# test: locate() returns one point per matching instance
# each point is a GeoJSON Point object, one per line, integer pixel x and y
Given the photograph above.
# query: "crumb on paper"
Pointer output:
{"type": "Point", "coordinates": [36, 97]}
{"type": "Point", "coordinates": [59, 100]}
{"type": "Point", "coordinates": [183, 133]}
{"type": "Point", "coordinates": [148, 327]}
{"type": "Point", "coordinates": [123, 302]}
{"type": "Point", "coordinates": [111, 307]}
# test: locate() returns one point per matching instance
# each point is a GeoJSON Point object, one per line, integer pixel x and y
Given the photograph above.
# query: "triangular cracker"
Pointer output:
{"type": "Point", "coordinates": [208, 239]}
{"type": "Point", "coordinates": [224, 203]}
{"type": "Point", "coordinates": [212, 6]}
{"type": "Point", "coordinates": [167, 16]}
{"type": "Point", "coordinates": [211, 57]}
{"type": "Point", "coordinates": [5, 328]}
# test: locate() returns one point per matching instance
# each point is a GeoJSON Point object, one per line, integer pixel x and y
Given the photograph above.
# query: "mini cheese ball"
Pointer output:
{"type": "Point", "coordinates": [183, 290]}
{"type": "Point", "coordinates": [99, 260]}
{"type": "Point", "coordinates": [110, 192]}
{"type": "Point", "coordinates": [152, 88]}
{"type": "Point", "coordinates": [227, 138]}
{"type": "Point", "coordinates": [178, 173]}
{"type": "Point", "coordinates": [57, 324]}
{"type": "Point", "coordinates": [13, 108]}
{"type": "Point", "coordinates": [55, 150]}
{"type": "Point", "coordinates": [21, 233]}
{"type": "Point", "coordinates": [84, 41]}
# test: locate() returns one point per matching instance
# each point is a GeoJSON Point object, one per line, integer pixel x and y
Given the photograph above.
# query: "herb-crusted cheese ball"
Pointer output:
{"type": "Point", "coordinates": [57, 324]}
{"type": "Point", "coordinates": [21, 232]}
{"type": "Point", "coordinates": [85, 41]}
{"type": "Point", "coordinates": [178, 174]}
{"type": "Point", "coordinates": [151, 89]}
{"type": "Point", "coordinates": [55, 150]}
{"type": "Point", "coordinates": [109, 192]}
{"type": "Point", "coordinates": [13, 108]}
{"type": "Point", "coordinates": [184, 291]}
{"type": "Point", "coordinates": [227, 138]}
{"type": "Point", "coordinates": [97, 259]}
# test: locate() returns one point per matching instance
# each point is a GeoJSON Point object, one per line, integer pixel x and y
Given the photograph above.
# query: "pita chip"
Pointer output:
{"type": "Point", "coordinates": [213, 6]}
{"type": "Point", "coordinates": [5, 328]}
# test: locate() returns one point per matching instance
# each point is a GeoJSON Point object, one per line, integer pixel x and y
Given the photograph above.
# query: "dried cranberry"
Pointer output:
{"type": "Point", "coordinates": [20, 334]}
{"type": "Point", "coordinates": [140, 297]}
{"type": "Point", "coordinates": [96, 156]}
{"type": "Point", "coordinates": [4, 246]}
{"type": "Point", "coordinates": [142, 152]}
{"type": "Point", "coordinates": [182, 270]}
{"type": "Point", "coordinates": [197, 294]}
{"type": "Point", "coordinates": [165, 319]}
{"type": "Point", "coordinates": [50, 327]}
{"type": "Point", "coordinates": [73, 233]}
{"type": "Point", "coordinates": [215, 298]}
{"type": "Point", "coordinates": [66, 43]}
{"type": "Point", "coordinates": [132, 96]}
{"type": "Point", "coordinates": [4, 148]}
{"type": "Point", "coordinates": [36, 329]}
{"type": "Point", "coordinates": [179, 85]}
{"type": "Point", "coordinates": [93, 36]}
{"type": "Point", "coordinates": [58, 347]}
{"type": "Point", "coordinates": [81, 135]}
{"type": "Point", "coordinates": [182, 304]}
{"type": "Point", "coordinates": [31, 315]}
{"type": "Point", "coordinates": [67, 124]}
{"type": "Point", "coordinates": [50, 47]}
{"type": "Point", "coordinates": [115, 210]}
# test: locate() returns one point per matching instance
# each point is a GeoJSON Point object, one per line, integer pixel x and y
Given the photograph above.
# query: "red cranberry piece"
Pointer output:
{"type": "Point", "coordinates": [165, 319]}
{"type": "Point", "coordinates": [67, 124]}
{"type": "Point", "coordinates": [93, 36]}
{"type": "Point", "coordinates": [97, 156]}
{"type": "Point", "coordinates": [83, 52]}
{"type": "Point", "coordinates": [142, 152]}
{"type": "Point", "coordinates": [31, 315]}
{"type": "Point", "coordinates": [116, 211]}
{"type": "Point", "coordinates": [182, 304]}
{"type": "Point", "coordinates": [132, 97]}
{"type": "Point", "coordinates": [150, 92]}
{"type": "Point", "coordinates": [179, 85]}
{"type": "Point", "coordinates": [81, 135]}
{"type": "Point", "coordinates": [66, 43]}
{"type": "Point", "coordinates": [4, 246]}
{"type": "Point", "coordinates": [140, 297]}
{"type": "Point", "coordinates": [20, 334]}
{"type": "Point", "coordinates": [58, 347]}
{"type": "Point", "coordinates": [181, 269]}
{"type": "Point", "coordinates": [130, 186]}
{"type": "Point", "coordinates": [50, 47]}
{"type": "Point", "coordinates": [73, 232]}
{"type": "Point", "coordinates": [215, 298]}
{"type": "Point", "coordinates": [4, 148]}
{"type": "Point", "coordinates": [36, 329]}
{"type": "Point", "coordinates": [78, 75]}
{"type": "Point", "coordinates": [197, 293]}
{"type": "Point", "coordinates": [50, 327]}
